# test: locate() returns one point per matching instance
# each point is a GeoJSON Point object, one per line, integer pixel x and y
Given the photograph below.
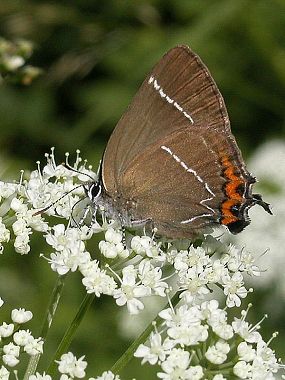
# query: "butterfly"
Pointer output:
{"type": "Point", "coordinates": [172, 161]}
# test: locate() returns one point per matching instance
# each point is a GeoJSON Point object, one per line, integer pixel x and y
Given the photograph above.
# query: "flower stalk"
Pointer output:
{"type": "Point", "coordinates": [70, 332]}
{"type": "Point", "coordinates": [47, 322]}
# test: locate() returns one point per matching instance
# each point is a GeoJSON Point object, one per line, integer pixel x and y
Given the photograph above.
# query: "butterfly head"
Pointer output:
{"type": "Point", "coordinates": [93, 191]}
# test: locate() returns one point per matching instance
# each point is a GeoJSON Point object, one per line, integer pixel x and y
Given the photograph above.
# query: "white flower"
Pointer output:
{"type": "Point", "coordinates": [107, 249]}
{"type": "Point", "coordinates": [194, 284]}
{"type": "Point", "coordinates": [38, 376]}
{"type": "Point", "coordinates": [188, 315]}
{"type": "Point", "coordinates": [195, 372]}
{"type": "Point", "coordinates": [6, 329]}
{"type": "Point", "coordinates": [232, 258]}
{"type": "Point", "coordinates": [177, 358]}
{"type": "Point", "coordinates": [21, 315]}
{"type": "Point", "coordinates": [157, 350]}
{"type": "Point", "coordinates": [185, 325]}
{"type": "Point", "coordinates": [215, 272]}
{"type": "Point", "coordinates": [234, 289]}
{"type": "Point", "coordinates": [19, 226]}
{"type": "Point", "coordinates": [188, 335]}
{"type": "Point", "coordinates": [194, 257]}
{"type": "Point", "coordinates": [242, 370]}
{"type": "Point", "coordinates": [70, 249]}
{"type": "Point", "coordinates": [41, 192]}
{"type": "Point", "coordinates": [1, 302]}
{"type": "Point", "coordinates": [10, 360]}
{"type": "Point", "coordinates": [141, 244]}
{"type": "Point", "coordinates": [36, 222]}
{"type": "Point", "coordinates": [129, 292]}
{"type": "Point", "coordinates": [265, 357]}
{"type": "Point", "coordinates": [4, 233]}
{"type": "Point", "coordinates": [219, 377]}
{"type": "Point", "coordinates": [21, 243]}
{"type": "Point", "coordinates": [145, 246]}
{"type": "Point", "coordinates": [89, 267]}
{"type": "Point", "coordinates": [245, 330]}
{"type": "Point", "coordinates": [70, 365]}
{"type": "Point", "coordinates": [108, 375]}
{"type": "Point", "coordinates": [245, 352]}
{"type": "Point", "coordinates": [113, 236]}
{"type": "Point", "coordinates": [240, 260]}
{"type": "Point", "coordinates": [150, 277]}
{"type": "Point", "coordinates": [4, 373]}
{"type": "Point", "coordinates": [11, 349]}
{"type": "Point", "coordinates": [223, 330]}
{"type": "Point", "coordinates": [209, 309]}
{"type": "Point", "coordinates": [18, 205]}
{"type": "Point", "coordinates": [62, 238]}
{"type": "Point", "coordinates": [66, 260]}
{"type": "Point", "coordinates": [248, 264]}
{"type": "Point", "coordinates": [22, 337]}
{"type": "Point", "coordinates": [34, 346]}
{"type": "Point", "coordinates": [217, 319]}
{"type": "Point", "coordinates": [176, 366]}
{"type": "Point", "coordinates": [96, 280]}
{"type": "Point", "coordinates": [261, 371]}
{"type": "Point", "coordinates": [7, 189]}
{"type": "Point", "coordinates": [217, 354]}
{"type": "Point", "coordinates": [58, 261]}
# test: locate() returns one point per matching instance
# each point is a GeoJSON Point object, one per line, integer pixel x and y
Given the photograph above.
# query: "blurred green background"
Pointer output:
{"type": "Point", "coordinates": [95, 54]}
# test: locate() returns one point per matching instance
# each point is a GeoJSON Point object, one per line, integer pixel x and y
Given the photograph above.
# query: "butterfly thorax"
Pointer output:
{"type": "Point", "coordinates": [115, 207]}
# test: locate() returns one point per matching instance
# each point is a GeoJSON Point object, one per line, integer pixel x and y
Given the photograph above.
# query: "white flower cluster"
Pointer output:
{"type": "Point", "coordinates": [130, 268]}
{"type": "Point", "coordinates": [71, 368]}
{"type": "Point", "coordinates": [195, 341]}
{"type": "Point", "coordinates": [200, 268]}
{"type": "Point", "coordinates": [19, 202]}
{"type": "Point", "coordinates": [16, 341]}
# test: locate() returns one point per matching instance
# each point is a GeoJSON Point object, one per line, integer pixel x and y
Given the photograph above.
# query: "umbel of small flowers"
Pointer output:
{"type": "Point", "coordinates": [198, 342]}
{"type": "Point", "coordinates": [143, 267]}
{"type": "Point", "coordinates": [193, 343]}
{"type": "Point", "coordinates": [16, 342]}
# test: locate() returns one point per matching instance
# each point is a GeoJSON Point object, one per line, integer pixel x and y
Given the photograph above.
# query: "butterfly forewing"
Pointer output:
{"type": "Point", "coordinates": [178, 93]}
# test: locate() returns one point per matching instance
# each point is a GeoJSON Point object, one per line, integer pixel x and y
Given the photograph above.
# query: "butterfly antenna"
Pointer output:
{"type": "Point", "coordinates": [99, 168]}
{"type": "Point", "coordinates": [41, 211]}
{"type": "Point", "coordinates": [67, 166]}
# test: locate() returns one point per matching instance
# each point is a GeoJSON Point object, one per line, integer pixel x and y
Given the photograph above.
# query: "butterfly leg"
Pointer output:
{"type": "Point", "coordinates": [146, 224]}
{"type": "Point", "coordinates": [94, 215]}
{"type": "Point", "coordinates": [124, 241]}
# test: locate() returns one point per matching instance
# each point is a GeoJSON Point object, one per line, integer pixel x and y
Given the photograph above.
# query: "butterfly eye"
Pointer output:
{"type": "Point", "coordinates": [94, 191]}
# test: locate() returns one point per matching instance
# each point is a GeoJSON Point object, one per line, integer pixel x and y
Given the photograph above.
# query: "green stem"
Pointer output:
{"type": "Point", "coordinates": [50, 312]}
{"type": "Point", "coordinates": [129, 353]}
{"type": "Point", "coordinates": [70, 332]}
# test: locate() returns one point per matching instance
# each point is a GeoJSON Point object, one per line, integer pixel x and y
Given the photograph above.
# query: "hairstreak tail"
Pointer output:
{"type": "Point", "coordinates": [172, 160]}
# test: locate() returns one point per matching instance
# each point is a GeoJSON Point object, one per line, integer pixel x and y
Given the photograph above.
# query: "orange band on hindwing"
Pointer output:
{"type": "Point", "coordinates": [234, 188]}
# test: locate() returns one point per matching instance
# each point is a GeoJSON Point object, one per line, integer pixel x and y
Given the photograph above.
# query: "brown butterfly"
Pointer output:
{"type": "Point", "coordinates": [172, 160]}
